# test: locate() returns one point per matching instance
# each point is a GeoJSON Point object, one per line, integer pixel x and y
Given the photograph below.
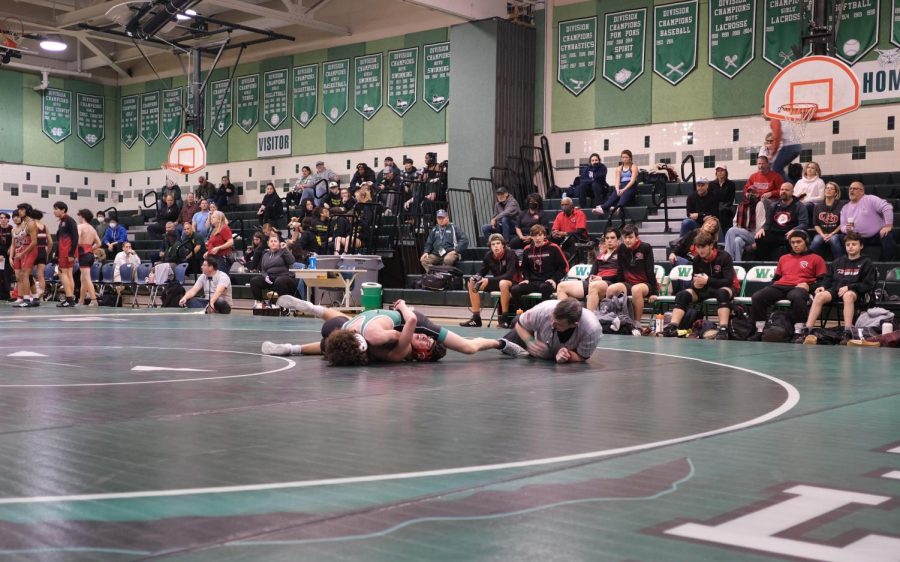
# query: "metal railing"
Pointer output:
{"type": "Point", "coordinates": [110, 211]}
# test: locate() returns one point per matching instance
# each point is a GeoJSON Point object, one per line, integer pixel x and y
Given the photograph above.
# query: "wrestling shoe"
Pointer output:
{"type": "Point", "coordinates": [473, 322]}
{"type": "Point", "coordinates": [293, 303]}
{"type": "Point", "coordinates": [848, 335]}
{"type": "Point", "coordinates": [66, 304]}
{"type": "Point", "coordinates": [721, 334]}
{"type": "Point", "coordinates": [670, 331]}
{"type": "Point", "coordinates": [271, 348]}
{"type": "Point", "coordinates": [512, 349]}
{"type": "Point", "coordinates": [864, 343]}
{"type": "Point", "coordinates": [23, 304]}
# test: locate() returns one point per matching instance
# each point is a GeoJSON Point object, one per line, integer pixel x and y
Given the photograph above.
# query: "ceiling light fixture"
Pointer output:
{"type": "Point", "coordinates": [53, 44]}
{"type": "Point", "coordinates": [188, 14]}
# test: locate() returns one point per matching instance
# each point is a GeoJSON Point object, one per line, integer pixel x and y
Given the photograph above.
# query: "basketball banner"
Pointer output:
{"type": "Point", "coordinates": [306, 93]}
{"type": "Point", "coordinates": [623, 49]}
{"type": "Point", "coordinates": [732, 35]}
{"type": "Point", "coordinates": [172, 113]}
{"type": "Point", "coordinates": [576, 50]}
{"type": "Point", "coordinates": [90, 119]}
{"type": "Point", "coordinates": [368, 86]}
{"type": "Point", "coordinates": [675, 40]}
{"type": "Point", "coordinates": [129, 120]}
{"type": "Point", "coordinates": [220, 106]}
{"type": "Point", "coordinates": [56, 114]}
{"type": "Point", "coordinates": [858, 30]}
{"type": "Point", "coordinates": [335, 89]}
{"type": "Point", "coordinates": [150, 117]}
{"type": "Point", "coordinates": [403, 72]}
{"type": "Point", "coordinates": [436, 75]}
{"type": "Point", "coordinates": [275, 98]}
{"type": "Point", "coordinates": [247, 102]}
{"type": "Point", "coordinates": [784, 23]}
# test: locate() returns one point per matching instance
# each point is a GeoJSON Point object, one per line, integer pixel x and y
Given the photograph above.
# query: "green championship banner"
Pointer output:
{"type": "Point", "coordinates": [91, 118]}
{"type": "Point", "coordinates": [56, 114]}
{"type": "Point", "coordinates": [220, 106]}
{"type": "Point", "coordinates": [732, 35]}
{"type": "Point", "coordinates": [306, 93]}
{"type": "Point", "coordinates": [783, 24]}
{"type": "Point", "coordinates": [858, 30]}
{"type": "Point", "coordinates": [335, 89]}
{"type": "Point", "coordinates": [403, 72]}
{"type": "Point", "coordinates": [275, 98]}
{"type": "Point", "coordinates": [675, 40]}
{"type": "Point", "coordinates": [172, 113]}
{"type": "Point", "coordinates": [128, 120]}
{"type": "Point", "coordinates": [623, 49]}
{"type": "Point", "coordinates": [150, 117]}
{"type": "Point", "coordinates": [576, 49]}
{"type": "Point", "coordinates": [436, 75]}
{"type": "Point", "coordinates": [895, 23]}
{"type": "Point", "coordinates": [247, 102]}
{"type": "Point", "coordinates": [368, 84]}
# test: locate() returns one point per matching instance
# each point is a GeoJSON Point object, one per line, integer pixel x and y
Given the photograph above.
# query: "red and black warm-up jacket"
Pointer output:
{"type": "Point", "coordinates": [719, 268]}
{"type": "Point", "coordinates": [506, 267]}
{"type": "Point", "coordinates": [636, 266]}
{"type": "Point", "coordinates": [859, 275]}
{"type": "Point", "coordinates": [544, 263]}
{"type": "Point", "coordinates": [606, 268]}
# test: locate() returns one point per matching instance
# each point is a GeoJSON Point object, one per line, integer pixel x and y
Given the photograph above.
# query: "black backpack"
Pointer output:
{"type": "Point", "coordinates": [443, 278]}
{"type": "Point", "coordinates": [742, 326]}
{"type": "Point", "coordinates": [779, 327]}
{"type": "Point", "coordinates": [171, 294]}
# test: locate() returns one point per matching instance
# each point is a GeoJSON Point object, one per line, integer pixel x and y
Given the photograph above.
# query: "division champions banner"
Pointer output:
{"type": "Point", "coordinates": [675, 40]}
{"type": "Point", "coordinates": [576, 48]}
{"type": "Point", "coordinates": [623, 47]}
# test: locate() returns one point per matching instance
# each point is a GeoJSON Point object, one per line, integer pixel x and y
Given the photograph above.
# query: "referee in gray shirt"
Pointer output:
{"type": "Point", "coordinates": [558, 330]}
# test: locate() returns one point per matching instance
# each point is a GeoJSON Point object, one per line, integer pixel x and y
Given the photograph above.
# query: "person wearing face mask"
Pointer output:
{"type": "Point", "coordinates": [569, 227]}
{"type": "Point", "coordinates": [532, 214]}
{"type": "Point", "coordinates": [115, 237]}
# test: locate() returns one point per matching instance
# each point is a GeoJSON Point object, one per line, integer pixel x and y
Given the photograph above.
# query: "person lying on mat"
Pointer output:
{"type": "Point", "coordinates": [560, 330]}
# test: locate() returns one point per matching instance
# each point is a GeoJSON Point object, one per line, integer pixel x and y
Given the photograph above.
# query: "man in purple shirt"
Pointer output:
{"type": "Point", "coordinates": [872, 217]}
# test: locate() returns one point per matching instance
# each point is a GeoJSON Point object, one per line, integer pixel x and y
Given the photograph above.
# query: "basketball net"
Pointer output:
{"type": "Point", "coordinates": [11, 32]}
{"type": "Point", "coordinates": [798, 116]}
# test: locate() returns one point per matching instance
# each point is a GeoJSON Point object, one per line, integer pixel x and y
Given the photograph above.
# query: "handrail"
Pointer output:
{"type": "Point", "coordinates": [692, 176]}
{"type": "Point", "coordinates": [472, 229]}
{"type": "Point", "coordinates": [155, 199]}
{"type": "Point", "coordinates": [545, 148]}
{"type": "Point", "coordinates": [242, 230]}
{"type": "Point", "coordinates": [106, 211]}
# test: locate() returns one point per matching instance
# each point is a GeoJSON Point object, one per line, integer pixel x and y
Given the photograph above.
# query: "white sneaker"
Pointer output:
{"type": "Point", "coordinates": [598, 210]}
{"type": "Point", "coordinates": [293, 303]}
{"type": "Point", "coordinates": [512, 349]}
{"type": "Point", "coordinates": [270, 348]}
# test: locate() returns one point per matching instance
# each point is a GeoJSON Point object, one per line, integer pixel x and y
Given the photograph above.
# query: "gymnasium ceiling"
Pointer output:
{"type": "Point", "coordinates": [315, 24]}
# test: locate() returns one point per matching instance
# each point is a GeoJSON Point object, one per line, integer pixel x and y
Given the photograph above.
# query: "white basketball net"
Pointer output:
{"type": "Point", "coordinates": [798, 115]}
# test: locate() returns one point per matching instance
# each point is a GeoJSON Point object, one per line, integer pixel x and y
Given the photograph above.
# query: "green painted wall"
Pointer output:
{"type": "Point", "coordinates": [540, 25]}
{"type": "Point", "coordinates": [12, 149]}
{"type": "Point", "coordinates": [572, 113]}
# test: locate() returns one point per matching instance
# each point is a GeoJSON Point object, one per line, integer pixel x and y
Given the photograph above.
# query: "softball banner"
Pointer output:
{"type": "Point", "coordinates": [858, 30]}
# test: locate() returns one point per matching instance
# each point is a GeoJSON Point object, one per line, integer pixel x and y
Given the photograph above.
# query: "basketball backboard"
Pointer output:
{"type": "Point", "coordinates": [825, 81]}
{"type": "Point", "coordinates": [187, 154]}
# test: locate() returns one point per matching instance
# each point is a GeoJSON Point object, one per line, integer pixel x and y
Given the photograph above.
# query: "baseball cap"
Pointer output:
{"type": "Point", "coordinates": [702, 179]}
{"type": "Point", "coordinates": [332, 184]}
{"type": "Point", "coordinates": [501, 190]}
{"type": "Point", "coordinates": [722, 167]}
{"type": "Point", "coordinates": [442, 213]}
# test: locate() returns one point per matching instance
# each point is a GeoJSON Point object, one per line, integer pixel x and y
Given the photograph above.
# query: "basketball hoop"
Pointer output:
{"type": "Point", "coordinates": [11, 32]}
{"type": "Point", "coordinates": [798, 115]}
{"type": "Point", "coordinates": [187, 155]}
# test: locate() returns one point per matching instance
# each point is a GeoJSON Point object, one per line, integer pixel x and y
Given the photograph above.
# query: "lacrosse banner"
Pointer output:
{"type": "Point", "coordinates": [784, 23]}
{"type": "Point", "coordinates": [576, 49]}
{"type": "Point", "coordinates": [732, 35]}
{"type": "Point", "coordinates": [367, 84]}
{"type": "Point", "coordinates": [858, 31]}
{"type": "Point", "coordinates": [220, 106]}
{"type": "Point", "coordinates": [335, 89]}
{"type": "Point", "coordinates": [172, 113]}
{"type": "Point", "coordinates": [306, 92]}
{"type": "Point", "coordinates": [247, 102]}
{"type": "Point", "coordinates": [56, 114]}
{"type": "Point", "coordinates": [91, 119]}
{"type": "Point", "coordinates": [623, 49]}
{"type": "Point", "coordinates": [675, 40]}
{"type": "Point", "coordinates": [150, 117]}
{"type": "Point", "coordinates": [275, 98]}
{"type": "Point", "coordinates": [403, 70]}
{"type": "Point", "coordinates": [129, 120]}
{"type": "Point", "coordinates": [436, 75]}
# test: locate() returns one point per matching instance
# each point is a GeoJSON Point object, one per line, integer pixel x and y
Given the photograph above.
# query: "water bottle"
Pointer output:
{"type": "Point", "coordinates": [887, 327]}
{"type": "Point", "coordinates": [658, 325]}
{"type": "Point", "coordinates": [312, 261]}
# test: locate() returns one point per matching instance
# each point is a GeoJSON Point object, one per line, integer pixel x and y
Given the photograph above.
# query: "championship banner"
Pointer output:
{"type": "Point", "coordinates": [858, 30]}
{"type": "Point", "coordinates": [367, 84]}
{"type": "Point", "coordinates": [56, 114]}
{"type": "Point", "coordinates": [895, 23]}
{"type": "Point", "coordinates": [403, 71]}
{"type": "Point", "coordinates": [675, 40]}
{"type": "Point", "coordinates": [576, 49]}
{"type": "Point", "coordinates": [172, 113]}
{"type": "Point", "coordinates": [275, 98]}
{"type": "Point", "coordinates": [732, 35]}
{"type": "Point", "coordinates": [306, 93]}
{"type": "Point", "coordinates": [623, 49]}
{"type": "Point", "coordinates": [247, 92]}
{"type": "Point", "coordinates": [436, 75]}
{"type": "Point", "coordinates": [90, 119]}
{"type": "Point", "coordinates": [220, 106]}
{"type": "Point", "coordinates": [129, 120]}
{"type": "Point", "coordinates": [335, 89]}
{"type": "Point", "coordinates": [784, 23]}
{"type": "Point", "coordinates": [150, 117]}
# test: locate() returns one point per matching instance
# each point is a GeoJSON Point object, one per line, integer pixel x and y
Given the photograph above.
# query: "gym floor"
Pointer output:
{"type": "Point", "coordinates": [167, 435]}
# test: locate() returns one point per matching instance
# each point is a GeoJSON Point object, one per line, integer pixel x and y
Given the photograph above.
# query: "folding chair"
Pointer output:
{"type": "Point", "coordinates": [127, 275]}
{"type": "Point", "coordinates": [140, 281]}
{"type": "Point", "coordinates": [105, 277]}
{"type": "Point", "coordinates": [761, 274]}
{"type": "Point", "coordinates": [677, 273]}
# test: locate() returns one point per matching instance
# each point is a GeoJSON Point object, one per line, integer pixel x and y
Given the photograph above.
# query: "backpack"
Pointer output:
{"type": "Point", "coordinates": [110, 299]}
{"type": "Point", "coordinates": [443, 278]}
{"type": "Point", "coordinates": [828, 336]}
{"type": "Point", "coordinates": [614, 315]}
{"type": "Point", "coordinates": [779, 327]}
{"type": "Point", "coordinates": [742, 326]}
{"type": "Point", "coordinates": [171, 294]}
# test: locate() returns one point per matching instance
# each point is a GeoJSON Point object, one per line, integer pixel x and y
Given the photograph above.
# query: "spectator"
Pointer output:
{"type": "Point", "coordinates": [6, 238]}
{"type": "Point", "coordinates": [506, 215]}
{"type": "Point", "coordinates": [303, 241]}
{"type": "Point", "coordinates": [850, 280]}
{"type": "Point", "coordinates": [445, 243]}
{"type": "Point", "coordinates": [168, 214]}
{"type": "Point", "coordinates": [320, 225]}
{"type": "Point", "coordinates": [226, 194]}
{"type": "Point", "coordinates": [701, 203]}
{"type": "Point", "coordinates": [317, 184]}
{"type": "Point", "coordinates": [275, 272]}
{"type": "Point", "coordinates": [783, 217]}
{"type": "Point", "coordinates": [216, 287]}
{"type": "Point", "coordinates": [388, 164]}
{"type": "Point", "coordinates": [126, 257]}
{"type": "Point", "coordinates": [560, 330]}
{"type": "Point", "coordinates": [764, 183]}
{"type": "Point", "coordinates": [635, 272]}
{"type": "Point", "coordinates": [533, 214]}
{"type": "Point", "coordinates": [499, 270]}
{"type": "Point", "coordinates": [170, 188]}
{"type": "Point", "coordinates": [268, 229]}
{"type": "Point", "coordinates": [543, 267]}
{"type": "Point", "coordinates": [221, 242]}
{"type": "Point", "coordinates": [603, 273]}
{"type": "Point", "coordinates": [271, 208]}
{"type": "Point", "coordinates": [367, 212]}
{"type": "Point", "coordinates": [872, 217]}
{"type": "Point", "coordinates": [201, 220]}
{"type": "Point", "coordinates": [295, 195]}
{"type": "Point", "coordinates": [724, 189]}
{"type": "Point", "coordinates": [99, 224]}
{"type": "Point", "coordinates": [188, 210]}
{"type": "Point", "coordinates": [714, 277]}
{"type": "Point", "coordinates": [253, 253]}
{"type": "Point", "coordinates": [333, 197]}
{"type": "Point", "coordinates": [389, 189]}
{"type": "Point", "coordinates": [205, 190]}
{"type": "Point", "coordinates": [826, 220]}
{"type": "Point", "coordinates": [750, 213]}
{"type": "Point", "coordinates": [434, 178]}
{"type": "Point", "coordinates": [347, 223]}
{"type": "Point", "coordinates": [307, 209]}
{"type": "Point", "coordinates": [409, 180]}
{"type": "Point", "coordinates": [363, 174]}
{"type": "Point", "coordinates": [169, 239]}
{"type": "Point", "coordinates": [591, 182]}
{"type": "Point", "coordinates": [626, 182]}
{"type": "Point", "coordinates": [810, 189]}
{"type": "Point", "coordinates": [796, 276]}
{"type": "Point", "coordinates": [569, 227]}
{"type": "Point", "coordinates": [683, 251]}
{"type": "Point", "coordinates": [114, 238]}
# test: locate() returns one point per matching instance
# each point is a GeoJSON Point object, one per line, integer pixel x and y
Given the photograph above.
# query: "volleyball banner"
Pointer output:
{"type": "Point", "coordinates": [675, 40]}
{"type": "Point", "coordinates": [576, 54]}
{"type": "Point", "coordinates": [56, 114]}
{"type": "Point", "coordinates": [623, 48]}
{"type": "Point", "coordinates": [732, 35]}
{"type": "Point", "coordinates": [368, 84]}
{"type": "Point", "coordinates": [275, 98]}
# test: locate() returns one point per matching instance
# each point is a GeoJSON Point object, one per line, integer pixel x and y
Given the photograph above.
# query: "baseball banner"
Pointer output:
{"type": "Point", "coordinates": [675, 40]}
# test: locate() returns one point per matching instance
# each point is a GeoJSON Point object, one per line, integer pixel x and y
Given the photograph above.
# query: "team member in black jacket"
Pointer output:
{"type": "Point", "coordinates": [850, 278]}
{"type": "Point", "coordinates": [714, 277]}
{"type": "Point", "coordinates": [499, 270]}
{"type": "Point", "coordinates": [603, 273]}
{"type": "Point", "coordinates": [635, 271]}
{"type": "Point", "coordinates": [543, 266]}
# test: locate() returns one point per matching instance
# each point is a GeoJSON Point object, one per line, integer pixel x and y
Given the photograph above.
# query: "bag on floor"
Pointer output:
{"type": "Point", "coordinates": [110, 299]}
{"type": "Point", "coordinates": [779, 327]}
{"type": "Point", "coordinates": [742, 326]}
{"type": "Point", "coordinates": [828, 336]}
{"type": "Point", "coordinates": [443, 278]}
{"type": "Point", "coordinates": [874, 318]}
{"type": "Point", "coordinates": [171, 295]}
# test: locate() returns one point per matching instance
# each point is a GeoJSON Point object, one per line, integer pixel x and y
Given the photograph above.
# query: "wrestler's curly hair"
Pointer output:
{"type": "Point", "coordinates": [342, 350]}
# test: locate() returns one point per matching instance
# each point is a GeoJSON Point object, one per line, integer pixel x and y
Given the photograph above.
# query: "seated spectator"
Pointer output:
{"type": "Point", "coordinates": [271, 208]}
{"type": "Point", "coordinates": [499, 270]}
{"type": "Point", "coordinates": [591, 183]}
{"type": "Point", "coordinates": [193, 245]}
{"type": "Point", "coordinates": [205, 190]}
{"type": "Point", "coordinates": [168, 214]}
{"type": "Point", "coordinates": [268, 229]}
{"type": "Point", "coordinates": [100, 225]}
{"type": "Point", "coordinates": [201, 219]}
{"type": "Point", "coordinates": [635, 272]}
{"type": "Point", "coordinates": [569, 227]}
{"type": "Point", "coordinates": [603, 273]}
{"type": "Point", "coordinates": [810, 189]}
{"type": "Point", "coordinates": [724, 189]}
{"type": "Point", "coordinates": [307, 209]}
{"type": "Point", "coordinates": [170, 239]}
{"type": "Point", "coordinates": [332, 199]}
{"type": "Point", "coordinates": [560, 330]}
{"type": "Point", "coordinates": [850, 279]}
{"type": "Point", "coordinates": [220, 242]}
{"type": "Point", "coordinates": [543, 267]}
{"type": "Point", "coordinates": [275, 272]}
{"type": "Point", "coordinates": [170, 188]}
{"type": "Point", "coordinates": [215, 286]}
{"type": "Point", "coordinates": [303, 240]}
{"type": "Point", "coordinates": [872, 217]}
{"type": "Point", "coordinates": [701, 203]}
{"type": "Point", "coordinates": [682, 251]}
{"type": "Point", "coordinates": [445, 243]}
{"type": "Point", "coordinates": [317, 184]}
{"type": "Point", "coordinates": [190, 208]}
{"type": "Point", "coordinates": [764, 183]}
{"type": "Point", "coordinates": [126, 256]}
{"type": "Point", "coordinates": [714, 277]}
{"type": "Point", "coordinates": [295, 196]}
{"type": "Point", "coordinates": [388, 164]}
{"type": "Point", "coordinates": [363, 174]}
{"type": "Point", "coordinates": [532, 214]}
{"type": "Point", "coordinates": [796, 276]}
{"type": "Point", "coordinates": [114, 238]}
{"type": "Point", "coordinates": [368, 212]}
{"type": "Point", "coordinates": [626, 178]}
{"type": "Point", "coordinates": [786, 215]}
{"type": "Point", "coordinates": [226, 194]}
{"type": "Point", "coordinates": [347, 223]}
{"type": "Point", "coordinates": [750, 213]}
{"type": "Point", "coordinates": [826, 220]}
{"type": "Point", "coordinates": [320, 225]}
{"type": "Point", "coordinates": [506, 215]}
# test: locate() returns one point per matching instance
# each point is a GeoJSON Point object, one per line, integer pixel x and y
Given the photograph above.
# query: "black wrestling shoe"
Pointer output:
{"type": "Point", "coordinates": [473, 322]}
{"type": "Point", "coordinates": [670, 331]}
{"type": "Point", "coordinates": [721, 334]}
